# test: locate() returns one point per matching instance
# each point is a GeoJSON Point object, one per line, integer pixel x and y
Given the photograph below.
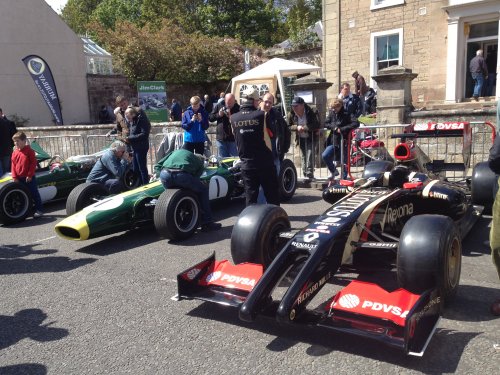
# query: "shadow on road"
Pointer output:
{"type": "Point", "coordinates": [24, 369]}
{"type": "Point", "coordinates": [27, 324]}
{"type": "Point", "coordinates": [447, 344]}
{"type": "Point", "coordinates": [49, 210]}
{"type": "Point", "coordinates": [477, 242]}
{"type": "Point", "coordinates": [11, 264]}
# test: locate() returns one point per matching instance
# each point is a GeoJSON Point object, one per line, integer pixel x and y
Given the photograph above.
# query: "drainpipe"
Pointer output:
{"type": "Point", "coordinates": [339, 44]}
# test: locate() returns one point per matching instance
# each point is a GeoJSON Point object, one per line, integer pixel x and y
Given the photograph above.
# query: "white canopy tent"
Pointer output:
{"type": "Point", "coordinates": [268, 77]}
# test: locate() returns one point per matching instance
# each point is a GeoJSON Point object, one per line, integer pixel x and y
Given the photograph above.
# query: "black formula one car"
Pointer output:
{"type": "Point", "coordinates": [400, 217]}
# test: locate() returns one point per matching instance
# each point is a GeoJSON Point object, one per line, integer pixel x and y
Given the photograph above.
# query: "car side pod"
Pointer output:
{"type": "Point", "coordinates": [399, 319]}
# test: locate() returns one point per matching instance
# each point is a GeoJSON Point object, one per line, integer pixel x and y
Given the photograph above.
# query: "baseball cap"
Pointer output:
{"type": "Point", "coordinates": [297, 100]}
{"type": "Point", "coordinates": [250, 93]}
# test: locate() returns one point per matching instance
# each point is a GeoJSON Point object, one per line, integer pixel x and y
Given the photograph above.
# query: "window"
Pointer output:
{"type": "Point", "coordinates": [386, 50]}
{"type": "Point", "coordinates": [377, 4]}
{"type": "Point", "coordinates": [262, 88]}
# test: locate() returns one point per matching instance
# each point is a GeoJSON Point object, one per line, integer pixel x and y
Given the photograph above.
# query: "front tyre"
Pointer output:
{"type": "Point", "coordinates": [430, 255]}
{"type": "Point", "coordinates": [287, 179]}
{"type": "Point", "coordinates": [177, 214]}
{"type": "Point", "coordinates": [15, 203]}
{"type": "Point", "coordinates": [255, 236]}
{"type": "Point", "coordinates": [84, 195]}
{"type": "Point", "coordinates": [131, 179]}
{"type": "Point", "coordinates": [483, 183]}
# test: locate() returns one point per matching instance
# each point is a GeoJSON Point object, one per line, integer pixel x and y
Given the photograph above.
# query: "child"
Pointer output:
{"type": "Point", "coordinates": [23, 169]}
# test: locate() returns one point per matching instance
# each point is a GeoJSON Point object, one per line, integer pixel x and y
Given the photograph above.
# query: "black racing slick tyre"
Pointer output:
{"type": "Point", "coordinates": [255, 236]}
{"type": "Point", "coordinates": [15, 203]}
{"type": "Point", "coordinates": [483, 186]}
{"type": "Point", "coordinates": [131, 179]}
{"type": "Point", "coordinates": [84, 195]}
{"type": "Point", "coordinates": [430, 255]}
{"type": "Point", "coordinates": [376, 168]}
{"type": "Point", "coordinates": [287, 179]}
{"type": "Point", "coordinates": [177, 214]}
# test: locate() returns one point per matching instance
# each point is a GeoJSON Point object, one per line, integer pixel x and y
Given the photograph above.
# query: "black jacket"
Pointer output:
{"type": "Point", "coordinates": [248, 130]}
{"type": "Point", "coordinates": [7, 130]}
{"type": "Point", "coordinates": [312, 118]}
{"type": "Point", "coordinates": [223, 132]}
{"type": "Point", "coordinates": [282, 133]}
{"type": "Point", "coordinates": [139, 129]}
{"type": "Point", "coordinates": [341, 120]}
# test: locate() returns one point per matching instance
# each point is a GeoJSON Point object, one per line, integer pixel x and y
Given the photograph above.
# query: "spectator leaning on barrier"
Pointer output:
{"type": "Point", "coordinates": [361, 89]}
{"type": "Point", "coordinates": [494, 163]}
{"type": "Point", "coordinates": [23, 169]}
{"type": "Point", "coordinates": [175, 111]}
{"type": "Point", "coordinates": [305, 121]}
{"type": "Point", "coordinates": [138, 138]}
{"type": "Point", "coordinates": [110, 168]}
{"type": "Point", "coordinates": [352, 102]}
{"type": "Point", "coordinates": [194, 123]}
{"type": "Point", "coordinates": [221, 113]}
{"type": "Point", "coordinates": [7, 131]}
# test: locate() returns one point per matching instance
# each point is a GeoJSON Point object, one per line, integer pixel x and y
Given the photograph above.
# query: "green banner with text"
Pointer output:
{"type": "Point", "coordinates": [152, 96]}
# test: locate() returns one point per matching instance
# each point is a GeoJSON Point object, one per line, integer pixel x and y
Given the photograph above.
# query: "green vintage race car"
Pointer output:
{"type": "Point", "coordinates": [55, 180]}
{"type": "Point", "coordinates": [174, 212]}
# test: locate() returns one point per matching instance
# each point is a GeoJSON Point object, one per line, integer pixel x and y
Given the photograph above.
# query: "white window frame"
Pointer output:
{"type": "Point", "coordinates": [379, 4]}
{"type": "Point", "coordinates": [373, 49]}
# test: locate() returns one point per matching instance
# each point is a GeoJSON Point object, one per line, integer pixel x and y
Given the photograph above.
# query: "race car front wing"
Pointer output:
{"type": "Point", "coordinates": [399, 318]}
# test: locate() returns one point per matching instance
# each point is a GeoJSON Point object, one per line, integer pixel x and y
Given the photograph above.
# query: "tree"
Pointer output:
{"type": "Point", "coordinates": [183, 13]}
{"type": "Point", "coordinates": [152, 53]}
{"type": "Point", "coordinates": [301, 16]}
{"type": "Point", "coordinates": [77, 13]}
{"type": "Point", "coordinates": [109, 12]}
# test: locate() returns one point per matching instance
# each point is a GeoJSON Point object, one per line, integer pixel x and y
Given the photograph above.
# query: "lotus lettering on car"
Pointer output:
{"type": "Point", "coordinates": [348, 206]}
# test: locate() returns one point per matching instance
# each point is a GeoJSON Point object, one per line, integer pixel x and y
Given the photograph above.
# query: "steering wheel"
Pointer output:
{"type": "Point", "coordinates": [56, 162]}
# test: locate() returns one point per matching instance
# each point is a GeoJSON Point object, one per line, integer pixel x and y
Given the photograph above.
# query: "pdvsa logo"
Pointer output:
{"type": "Point", "coordinates": [36, 66]}
{"type": "Point", "coordinates": [191, 274]}
{"type": "Point", "coordinates": [349, 301]}
{"type": "Point", "coordinates": [214, 276]}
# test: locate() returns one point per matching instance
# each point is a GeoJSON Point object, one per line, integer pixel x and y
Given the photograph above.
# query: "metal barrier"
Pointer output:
{"type": "Point", "coordinates": [449, 149]}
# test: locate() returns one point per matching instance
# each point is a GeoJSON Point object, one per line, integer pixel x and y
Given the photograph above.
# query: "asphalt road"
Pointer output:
{"type": "Point", "coordinates": [104, 307]}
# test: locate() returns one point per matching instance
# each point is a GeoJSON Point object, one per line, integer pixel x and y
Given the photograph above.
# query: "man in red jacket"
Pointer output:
{"type": "Point", "coordinates": [23, 167]}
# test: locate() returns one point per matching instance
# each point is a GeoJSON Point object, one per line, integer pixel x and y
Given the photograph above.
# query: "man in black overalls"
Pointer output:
{"type": "Point", "coordinates": [253, 140]}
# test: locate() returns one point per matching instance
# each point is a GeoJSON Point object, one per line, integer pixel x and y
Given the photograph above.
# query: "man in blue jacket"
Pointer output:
{"type": "Point", "coordinates": [194, 123]}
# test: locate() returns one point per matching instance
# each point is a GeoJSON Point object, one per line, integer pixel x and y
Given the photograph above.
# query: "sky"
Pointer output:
{"type": "Point", "coordinates": [56, 4]}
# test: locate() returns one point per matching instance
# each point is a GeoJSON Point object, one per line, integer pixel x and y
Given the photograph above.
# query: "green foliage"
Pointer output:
{"type": "Point", "coordinates": [77, 13]}
{"type": "Point", "coordinates": [109, 12]}
{"type": "Point", "coordinates": [19, 120]}
{"type": "Point", "coordinates": [301, 16]}
{"type": "Point", "coordinates": [151, 53]}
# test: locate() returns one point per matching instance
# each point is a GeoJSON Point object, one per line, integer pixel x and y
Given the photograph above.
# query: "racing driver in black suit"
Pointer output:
{"type": "Point", "coordinates": [253, 140]}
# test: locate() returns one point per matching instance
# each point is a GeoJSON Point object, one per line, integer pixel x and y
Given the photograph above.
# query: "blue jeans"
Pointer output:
{"type": "Point", "coordinates": [187, 181]}
{"type": "Point", "coordinates": [33, 188]}
{"type": "Point", "coordinates": [478, 87]}
{"type": "Point", "coordinates": [307, 156]}
{"type": "Point", "coordinates": [114, 186]}
{"type": "Point", "coordinates": [330, 156]}
{"type": "Point", "coordinates": [140, 163]}
{"type": "Point", "coordinates": [226, 149]}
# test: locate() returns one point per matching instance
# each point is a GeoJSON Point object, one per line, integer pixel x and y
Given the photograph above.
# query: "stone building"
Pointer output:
{"type": "Point", "coordinates": [434, 38]}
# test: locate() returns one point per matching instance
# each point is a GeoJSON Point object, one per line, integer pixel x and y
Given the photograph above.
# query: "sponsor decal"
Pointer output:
{"type": "Point", "coordinates": [349, 301]}
{"type": "Point", "coordinates": [214, 276]}
{"type": "Point", "coordinates": [349, 205]}
{"type": "Point", "coordinates": [331, 220]}
{"type": "Point", "coordinates": [381, 244]}
{"type": "Point", "coordinates": [313, 288]}
{"type": "Point", "coordinates": [242, 131]}
{"type": "Point", "coordinates": [191, 274]}
{"type": "Point", "coordinates": [287, 234]}
{"type": "Point", "coordinates": [322, 223]}
{"type": "Point", "coordinates": [319, 229]}
{"type": "Point", "coordinates": [453, 125]}
{"type": "Point", "coordinates": [251, 122]}
{"type": "Point", "coordinates": [337, 190]}
{"type": "Point", "coordinates": [227, 278]}
{"type": "Point", "coordinates": [434, 194]}
{"type": "Point", "coordinates": [300, 245]}
{"type": "Point", "coordinates": [432, 302]}
{"type": "Point", "coordinates": [310, 237]}
{"type": "Point", "coordinates": [394, 214]}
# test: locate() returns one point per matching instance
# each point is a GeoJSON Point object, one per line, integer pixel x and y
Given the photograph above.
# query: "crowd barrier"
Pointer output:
{"type": "Point", "coordinates": [437, 148]}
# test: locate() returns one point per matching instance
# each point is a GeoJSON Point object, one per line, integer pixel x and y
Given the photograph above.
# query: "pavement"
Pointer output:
{"type": "Point", "coordinates": [104, 306]}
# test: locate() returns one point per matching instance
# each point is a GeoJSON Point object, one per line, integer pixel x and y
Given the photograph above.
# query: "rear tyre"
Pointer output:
{"type": "Point", "coordinates": [177, 214]}
{"type": "Point", "coordinates": [483, 186]}
{"type": "Point", "coordinates": [131, 179]}
{"type": "Point", "coordinates": [255, 236]}
{"type": "Point", "coordinates": [430, 255]}
{"type": "Point", "coordinates": [287, 179]}
{"type": "Point", "coordinates": [84, 195]}
{"type": "Point", "coordinates": [15, 203]}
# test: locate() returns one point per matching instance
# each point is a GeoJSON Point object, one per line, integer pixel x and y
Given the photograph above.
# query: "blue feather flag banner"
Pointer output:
{"type": "Point", "coordinates": [44, 82]}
